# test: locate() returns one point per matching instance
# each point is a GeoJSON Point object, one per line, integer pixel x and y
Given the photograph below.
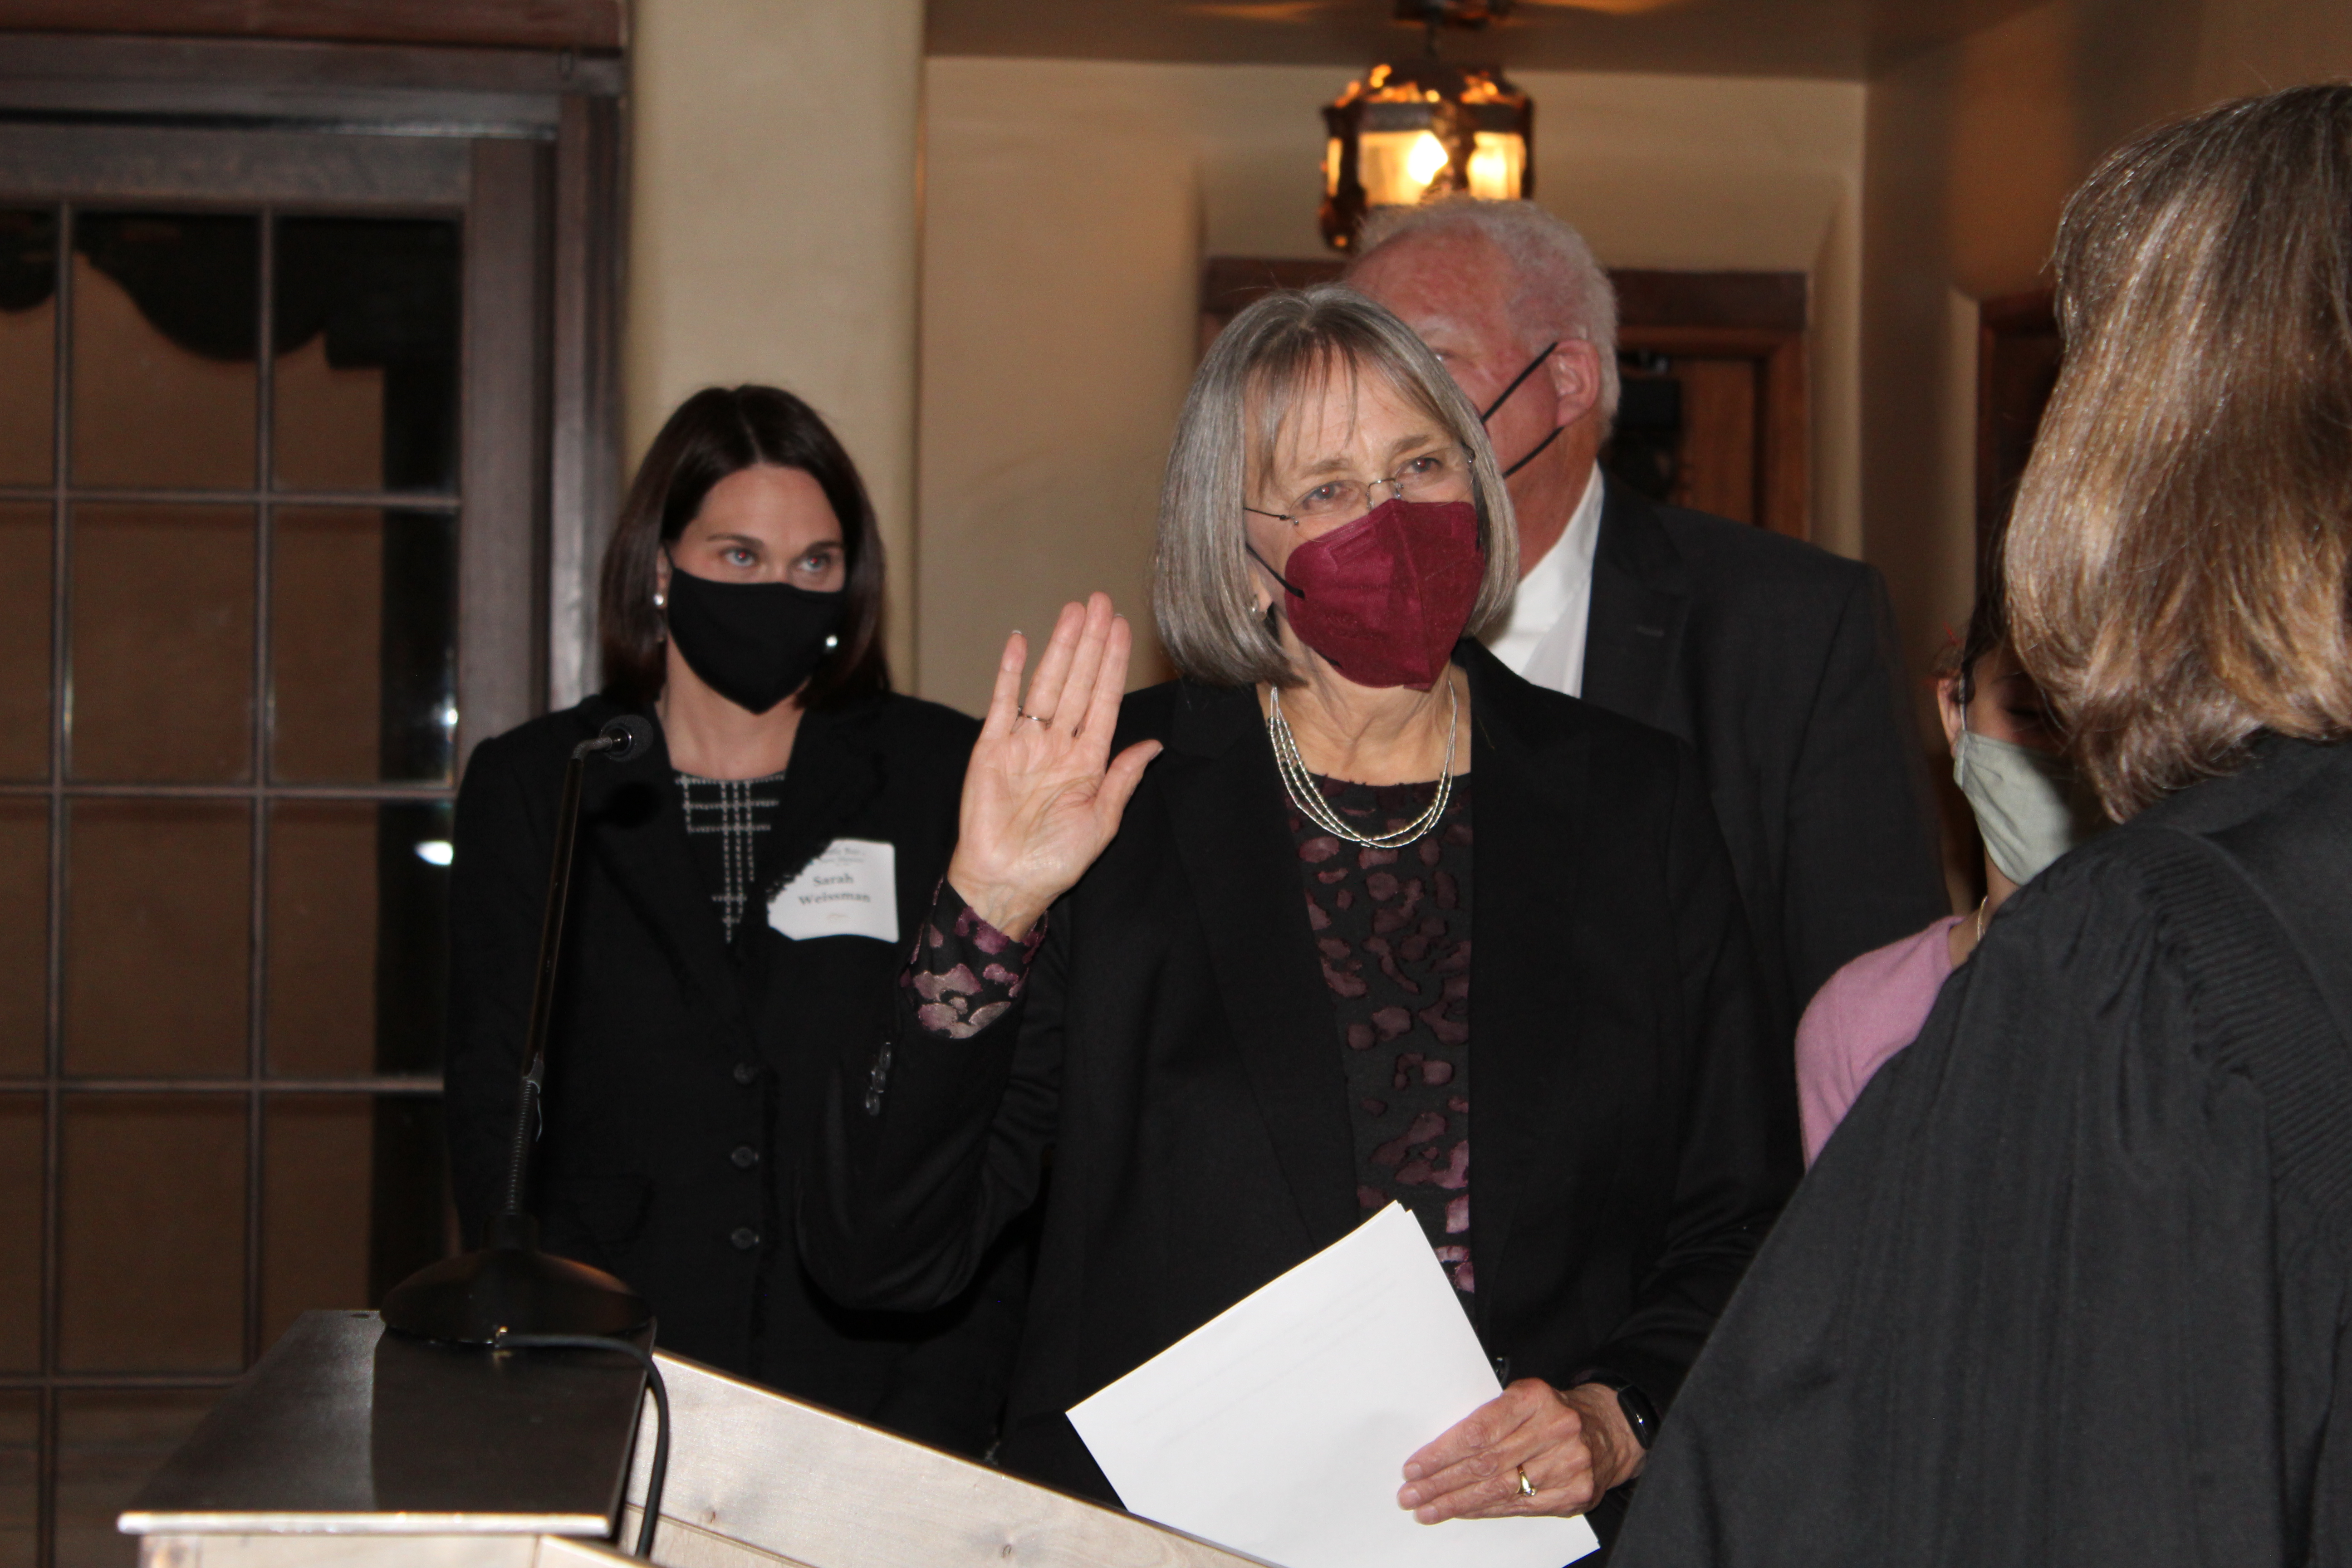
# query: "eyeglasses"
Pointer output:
{"type": "Point", "coordinates": [1439, 475]}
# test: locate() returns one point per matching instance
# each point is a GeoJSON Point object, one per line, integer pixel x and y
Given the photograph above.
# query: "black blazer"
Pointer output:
{"type": "Point", "coordinates": [682, 1075]}
{"type": "Point", "coordinates": [1778, 662]}
{"type": "Point", "coordinates": [1177, 1050]}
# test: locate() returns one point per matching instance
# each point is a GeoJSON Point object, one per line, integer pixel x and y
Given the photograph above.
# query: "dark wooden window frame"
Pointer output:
{"type": "Point", "coordinates": [534, 142]}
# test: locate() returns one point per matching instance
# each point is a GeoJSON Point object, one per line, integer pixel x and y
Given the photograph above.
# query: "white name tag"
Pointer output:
{"type": "Point", "coordinates": [851, 889]}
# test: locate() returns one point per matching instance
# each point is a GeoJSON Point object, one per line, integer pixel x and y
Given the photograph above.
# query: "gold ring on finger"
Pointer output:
{"type": "Point", "coordinates": [1526, 1486]}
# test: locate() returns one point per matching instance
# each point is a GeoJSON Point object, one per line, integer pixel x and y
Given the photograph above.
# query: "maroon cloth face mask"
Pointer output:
{"type": "Point", "coordinates": [1385, 598]}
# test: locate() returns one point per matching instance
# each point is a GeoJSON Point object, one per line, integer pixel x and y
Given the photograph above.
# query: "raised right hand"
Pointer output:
{"type": "Point", "coordinates": [1042, 796]}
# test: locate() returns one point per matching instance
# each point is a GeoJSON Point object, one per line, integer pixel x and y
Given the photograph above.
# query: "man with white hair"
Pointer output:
{"type": "Point", "coordinates": [1774, 660]}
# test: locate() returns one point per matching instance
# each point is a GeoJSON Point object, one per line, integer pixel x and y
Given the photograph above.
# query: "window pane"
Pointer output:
{"type": "Point", "coordinates": [358, 936]}
{"type": "Point", "coordinates": [321, 1157]}
{"type": "Point", "coordinates": [24, 937]}
{"type": "Point", "coordinates": [366, 330]}
{"type": "Point", "coordinates": [162, 643]}
{"type": "Point", "coordinates": [108, 1443]}
{"type": "Point", "coordinates": [20, 1427]}
{"type": "Point", "coordinates": [165, 312]}
{"type": "Point", "coordinates": [28, 330]}
{"type": "Point", "coordinates": [352, 1202]}
{"type": "Point", "coordinates": [152, 1233]}
{"type": "Point", "coordinates": [20, 1238]}
{"type": "Point", "coordinates": [363, 658]}
{"type": "Point", "coordinates": [24, 623]}
{"type": "Point", "coordinates": [158, 937]}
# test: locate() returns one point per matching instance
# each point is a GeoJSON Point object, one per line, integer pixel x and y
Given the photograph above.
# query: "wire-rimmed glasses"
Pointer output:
{"type": "Point", "coordinates": [1441, 474]}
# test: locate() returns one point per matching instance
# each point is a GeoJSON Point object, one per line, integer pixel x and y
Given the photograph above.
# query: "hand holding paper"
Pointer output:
{"type": "Point", "coordinates": [1279, 1427]}
{"type": "Point", "coordinates": [1571, 1444]}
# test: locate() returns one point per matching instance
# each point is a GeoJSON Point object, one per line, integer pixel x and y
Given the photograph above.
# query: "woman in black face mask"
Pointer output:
{"type": "Point", "coordinates": [744, 892]}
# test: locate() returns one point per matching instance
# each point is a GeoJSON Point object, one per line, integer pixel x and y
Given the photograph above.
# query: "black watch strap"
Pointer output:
{"type": "Point", "coordinates": [1640, 1413]}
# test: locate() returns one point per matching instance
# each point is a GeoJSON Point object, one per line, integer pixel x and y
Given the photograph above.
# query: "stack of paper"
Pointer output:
{"type": "Point", "coordinates": [1281, 1427]}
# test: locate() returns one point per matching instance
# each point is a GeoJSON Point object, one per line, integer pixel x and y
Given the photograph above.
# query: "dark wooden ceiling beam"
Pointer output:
{"type": "Point", "coordinates": [587, 26]}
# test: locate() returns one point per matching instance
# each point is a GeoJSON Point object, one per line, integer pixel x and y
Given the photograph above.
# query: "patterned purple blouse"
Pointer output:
{"type": "Point", "coordinates": [1394, 927]}
{"type": "Point", "coordinates": [967, 972]}
{"type": "Point", "coordinates": [1394, 930]}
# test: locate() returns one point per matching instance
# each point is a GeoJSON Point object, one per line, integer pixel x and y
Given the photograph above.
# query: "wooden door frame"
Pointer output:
{"type": "Point", "coordinates": [2032, 313]}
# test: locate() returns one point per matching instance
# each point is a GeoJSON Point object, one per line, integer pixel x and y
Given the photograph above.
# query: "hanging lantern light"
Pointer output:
{"type": "Point", "coordinates": [1408, 132]}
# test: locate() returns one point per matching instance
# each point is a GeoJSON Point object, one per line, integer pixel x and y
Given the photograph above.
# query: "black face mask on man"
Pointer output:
{"type": "Point", "coordinates": [752, 643]}
{"type": "Point", "coordinates": [1518, 381]}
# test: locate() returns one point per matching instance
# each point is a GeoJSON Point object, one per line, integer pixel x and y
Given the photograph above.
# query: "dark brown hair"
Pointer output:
{"type": "Point", "coordinates": [2180, 555]}
{"type": "Point", "coordinates": [1988, 625]}
{"type": "Point", "coordinates": [718, 432]}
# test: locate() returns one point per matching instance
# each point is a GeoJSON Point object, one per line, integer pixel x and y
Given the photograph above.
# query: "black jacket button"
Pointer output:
{"type": "Point", "coordinates": [745, 1072]}
{"type": "Point", "coordinates": [745, 1157]}
{"type": "Point", "coordinates": [745, 1238]}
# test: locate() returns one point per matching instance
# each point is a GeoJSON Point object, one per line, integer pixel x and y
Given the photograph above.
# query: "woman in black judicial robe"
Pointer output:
{"type": "Point", "coordinates": [710, 973]}
{"type": "Point", "coordinates": [2070, 1284]}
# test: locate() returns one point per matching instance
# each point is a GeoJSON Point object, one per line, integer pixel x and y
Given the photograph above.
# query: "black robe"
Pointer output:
{"type": "Point", "coordinates": [2069, 1286]}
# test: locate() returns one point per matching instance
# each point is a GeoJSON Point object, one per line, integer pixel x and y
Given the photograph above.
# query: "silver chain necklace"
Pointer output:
{"type": "Point", "coordinates": [1300, 784]}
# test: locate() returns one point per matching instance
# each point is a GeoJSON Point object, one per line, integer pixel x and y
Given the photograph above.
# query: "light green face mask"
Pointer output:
{"type": "Point", "coordinates": [2031, 807]}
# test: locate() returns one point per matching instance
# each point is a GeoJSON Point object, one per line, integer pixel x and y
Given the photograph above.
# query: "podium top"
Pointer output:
{"type": "Point", "coordinates": [342, 1428]}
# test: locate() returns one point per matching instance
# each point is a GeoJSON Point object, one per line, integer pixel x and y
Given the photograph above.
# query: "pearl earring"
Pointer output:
{"type": "Point", "coordinates": [659, 601]}
{"type": "Point", "coordinates": [832, 643]}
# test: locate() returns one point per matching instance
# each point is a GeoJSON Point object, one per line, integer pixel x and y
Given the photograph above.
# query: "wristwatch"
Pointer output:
{"type": "Point", "coordinates": [1640, 1413]}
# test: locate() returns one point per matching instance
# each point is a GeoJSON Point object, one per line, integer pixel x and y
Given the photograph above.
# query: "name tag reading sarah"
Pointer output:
{"type": "Point", "coordinates": [851, 889]}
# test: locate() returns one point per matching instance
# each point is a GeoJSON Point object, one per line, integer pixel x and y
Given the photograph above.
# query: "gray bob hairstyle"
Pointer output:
{"type": "Point", "coordinates": [1285, 350]}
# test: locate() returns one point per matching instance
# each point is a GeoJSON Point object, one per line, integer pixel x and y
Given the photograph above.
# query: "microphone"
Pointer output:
{"type": "Point", "coordinates": [620, 739]}
{"type": "Point", "coordinates": [510, 1287]}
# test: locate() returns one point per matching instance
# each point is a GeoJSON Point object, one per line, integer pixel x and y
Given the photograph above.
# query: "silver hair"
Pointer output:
{"type": "Point", "coordinates": [1275, 355]}
{"type": "Point", "coordinates": [1560, 292]}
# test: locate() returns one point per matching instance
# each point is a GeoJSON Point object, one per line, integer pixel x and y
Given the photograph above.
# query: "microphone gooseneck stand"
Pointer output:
{"type": "Point", "coordinates": [510, 1287]}
{"type": "Point", "coordinates": [510, 1296]}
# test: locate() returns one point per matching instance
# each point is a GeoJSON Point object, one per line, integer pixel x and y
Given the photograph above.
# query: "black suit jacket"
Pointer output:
{"type": "Point", "coordinates": [1178, 1052]}
{"type": "Point", "coordinates": [683, 1076]}
{"type": "Point", "coordinates": [1777, 663]}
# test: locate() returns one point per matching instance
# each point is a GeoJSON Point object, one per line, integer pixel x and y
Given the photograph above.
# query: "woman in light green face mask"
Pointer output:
{"type": "Point", "coordinates": [2009, 760]}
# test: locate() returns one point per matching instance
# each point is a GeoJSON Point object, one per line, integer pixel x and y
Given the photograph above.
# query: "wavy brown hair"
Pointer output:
{"type": "Point", "coordinates": [718, 432]}
{"type": "Point", "coordinates": [2179, 561]}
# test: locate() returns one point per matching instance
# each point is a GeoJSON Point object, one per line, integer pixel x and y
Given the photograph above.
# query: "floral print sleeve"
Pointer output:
{"type": "Point", "coordinates": [964, 973]}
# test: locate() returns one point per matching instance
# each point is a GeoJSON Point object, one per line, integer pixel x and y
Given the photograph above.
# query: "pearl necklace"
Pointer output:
{"type": "Point", "coordinates": [1299, 784]}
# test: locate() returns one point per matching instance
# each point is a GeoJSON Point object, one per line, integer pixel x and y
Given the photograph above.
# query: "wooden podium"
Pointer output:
{"type": "Point", "coordinates": [347, 1447]}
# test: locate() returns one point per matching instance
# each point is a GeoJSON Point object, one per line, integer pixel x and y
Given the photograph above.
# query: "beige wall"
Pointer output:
{"type": "Point", "coordinates": [774, 192]}
{"type": "Point", "coordinates": [1068, 205]}
{"type": "Point", "coordinates": [1971, 152]}
{"type": "Point", "coordinates": [795, 219]}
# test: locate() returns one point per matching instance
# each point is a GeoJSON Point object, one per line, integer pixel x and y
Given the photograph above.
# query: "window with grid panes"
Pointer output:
{"type": "Point", "coordinates": [280, 423]}
{"type": "Point", "coordinates": [228, 520]}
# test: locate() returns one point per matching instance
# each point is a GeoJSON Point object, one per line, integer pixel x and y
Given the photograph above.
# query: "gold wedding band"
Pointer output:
{"type": "Point", "coordinates": [1526, 1486]}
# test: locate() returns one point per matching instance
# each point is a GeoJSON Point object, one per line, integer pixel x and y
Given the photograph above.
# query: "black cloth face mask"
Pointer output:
{"type": "Point", "coordinates": [752, 643]}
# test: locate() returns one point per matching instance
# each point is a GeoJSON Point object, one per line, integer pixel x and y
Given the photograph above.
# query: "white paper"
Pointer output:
{"type": "Point", "coordinates": [851, 889]}
{"type": "Point", "coordinates": [1281, 1426]}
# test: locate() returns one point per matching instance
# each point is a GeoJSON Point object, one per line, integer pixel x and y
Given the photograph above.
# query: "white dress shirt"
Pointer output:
{"type": "Point", "coordinates": [1541, 636]}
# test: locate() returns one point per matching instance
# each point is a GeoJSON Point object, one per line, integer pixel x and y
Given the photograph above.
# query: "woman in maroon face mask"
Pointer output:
{"type": "Point", "coordinates": [1212, 946]}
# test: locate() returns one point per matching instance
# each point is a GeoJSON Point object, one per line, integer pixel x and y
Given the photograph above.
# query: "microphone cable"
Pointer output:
{"type": "Point", "coordinates": [660, 1472]}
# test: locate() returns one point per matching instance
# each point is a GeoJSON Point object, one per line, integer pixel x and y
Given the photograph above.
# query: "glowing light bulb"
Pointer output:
{"type": "Point", "coordinates": [1425, 159]}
